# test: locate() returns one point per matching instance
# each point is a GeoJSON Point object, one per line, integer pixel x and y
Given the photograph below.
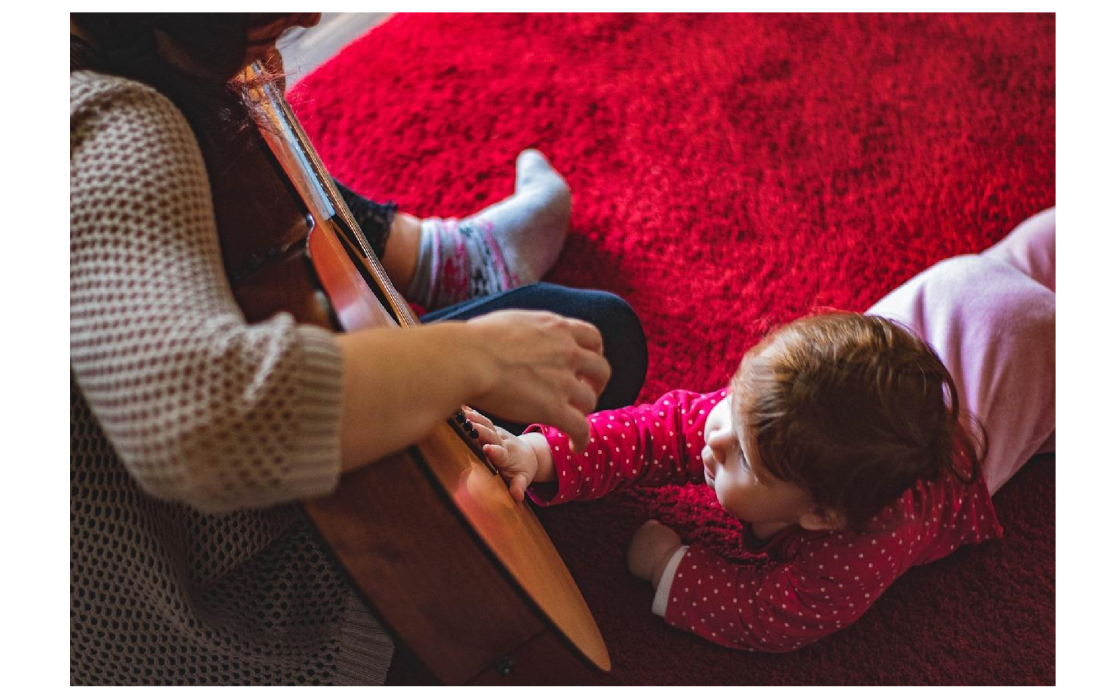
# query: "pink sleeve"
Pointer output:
{"type": "Point", "coordinates": [772, 606]}
{"type": "Point", "coordinates": [645, 445]}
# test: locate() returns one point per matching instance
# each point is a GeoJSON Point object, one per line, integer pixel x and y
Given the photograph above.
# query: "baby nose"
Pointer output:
{"type": "Point", "coordinates": [719, 445]}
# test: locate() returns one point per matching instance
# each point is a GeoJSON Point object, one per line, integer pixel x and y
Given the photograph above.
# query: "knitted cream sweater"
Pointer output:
{"type": "Point", "coordinates": [191, 433]}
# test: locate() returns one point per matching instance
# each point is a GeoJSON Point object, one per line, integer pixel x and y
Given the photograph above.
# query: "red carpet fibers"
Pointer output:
{"type": "Point", "coordinates": [730, 173]}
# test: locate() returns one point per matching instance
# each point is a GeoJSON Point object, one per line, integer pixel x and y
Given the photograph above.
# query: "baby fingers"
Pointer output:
{"type": "Point", "coordinates": [477, 417]}
{"type": "Point", "coordinates": [485, 434]}
{"type": "Point", "coordinates": [517, 487]}
{"type": "Point", "coordinates": [498, 454]}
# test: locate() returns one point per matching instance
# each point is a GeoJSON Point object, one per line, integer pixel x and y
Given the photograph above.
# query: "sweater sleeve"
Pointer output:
{"type": "Point", "coordinates": [201, 407]}
{"type": "Point", "coordinates": [778, 606]}
{"type": "Point", "coordinates": [643, 445]}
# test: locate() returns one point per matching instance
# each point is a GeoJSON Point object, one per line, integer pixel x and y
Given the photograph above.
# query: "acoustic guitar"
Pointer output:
{"type": "Point", "coordinates": [454, 568]}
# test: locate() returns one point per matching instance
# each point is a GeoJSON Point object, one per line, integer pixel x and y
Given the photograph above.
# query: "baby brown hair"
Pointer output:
{"type": "Point", "coordinates": [853, 409]}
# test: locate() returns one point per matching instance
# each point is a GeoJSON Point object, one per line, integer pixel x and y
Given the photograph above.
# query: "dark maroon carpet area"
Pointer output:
{"type": "Point", "coordinates": [730, 173]}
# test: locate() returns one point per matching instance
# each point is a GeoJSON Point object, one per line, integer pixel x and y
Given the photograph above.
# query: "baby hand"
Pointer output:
{"type": "Point", "coordinates": [650, 549]}
{"type": "Point", "coordinates": [513, 457]}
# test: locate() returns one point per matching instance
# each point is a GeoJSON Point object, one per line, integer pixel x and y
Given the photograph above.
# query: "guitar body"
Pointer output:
{"type": "Point", "coordinates": [460, 573]}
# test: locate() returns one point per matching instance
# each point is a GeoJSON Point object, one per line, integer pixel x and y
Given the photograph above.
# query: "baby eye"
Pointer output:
{"type": "Point", "coordinates": [758, 474]}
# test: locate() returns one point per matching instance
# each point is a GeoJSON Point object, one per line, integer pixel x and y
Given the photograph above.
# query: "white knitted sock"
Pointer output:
{"type": "Point", "coordinates": [510, 244]}
{"type": "Point", "coordinates": [531, 225]}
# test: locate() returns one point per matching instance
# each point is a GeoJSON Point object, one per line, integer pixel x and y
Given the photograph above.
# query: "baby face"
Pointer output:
{"type": "Point", "coordinates": [743, 488]}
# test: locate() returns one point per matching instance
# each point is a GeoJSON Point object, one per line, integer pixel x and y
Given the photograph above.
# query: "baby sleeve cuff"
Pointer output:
{"type": "Point", "coordinates": [661, 598]}
{"type": "Point", "coordinates": [566, 487]}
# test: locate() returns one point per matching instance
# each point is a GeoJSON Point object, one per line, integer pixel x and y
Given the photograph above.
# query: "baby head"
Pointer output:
{"type": "Point", "coordinates": [832, 417]}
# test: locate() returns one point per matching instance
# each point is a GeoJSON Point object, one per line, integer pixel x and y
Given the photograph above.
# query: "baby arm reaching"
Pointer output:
{"type": "Point", "coordinates": [644, 445]}
{"type": "Point", "coordinates": [522, 460]}
{"type": "Point", "coordinates": [648, 445]}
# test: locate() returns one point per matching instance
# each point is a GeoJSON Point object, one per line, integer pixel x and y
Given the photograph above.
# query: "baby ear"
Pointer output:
{"type": "Point", "coordinates": [817, 519]}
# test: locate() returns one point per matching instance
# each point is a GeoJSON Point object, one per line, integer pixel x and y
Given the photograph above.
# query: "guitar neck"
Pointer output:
{"type": "Point", "coordinates": [292, 149]}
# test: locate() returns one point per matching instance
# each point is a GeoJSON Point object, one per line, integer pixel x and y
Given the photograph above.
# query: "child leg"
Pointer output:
{"type": "Point", "coordinates": [993, 325]}
{"type": "Point", "coordinates": [1030, 247]}
{"type": "Point", "coordinates": [437, 262]}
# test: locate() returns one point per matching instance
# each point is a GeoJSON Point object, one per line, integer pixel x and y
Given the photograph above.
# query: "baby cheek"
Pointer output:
{"type": "Point", "coordinates": [712, 423]}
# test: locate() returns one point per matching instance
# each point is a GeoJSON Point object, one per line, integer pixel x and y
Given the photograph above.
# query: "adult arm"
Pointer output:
{"type": "Point", "coordinates": [208, 410]}
{"type": "Point", "coordinates": [519, 365]}
{"type": "Point", "coordinates": [201, 407]}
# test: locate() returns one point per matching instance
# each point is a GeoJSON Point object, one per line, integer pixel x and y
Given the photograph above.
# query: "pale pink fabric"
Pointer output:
{"type": "Point", "coordinates": [990, 317]}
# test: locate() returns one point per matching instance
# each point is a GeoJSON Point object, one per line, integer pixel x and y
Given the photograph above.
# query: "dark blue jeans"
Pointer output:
{"type": "Point", "coordinates": [624, 341]}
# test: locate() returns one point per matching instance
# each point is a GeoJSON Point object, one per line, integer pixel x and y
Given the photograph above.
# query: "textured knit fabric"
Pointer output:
{"type": "Point", "coordinates": [458, 260]}
{"type": "Point", "coordinates": [192, 433]}
{"type": "Point", "coordinates": [809, 584]}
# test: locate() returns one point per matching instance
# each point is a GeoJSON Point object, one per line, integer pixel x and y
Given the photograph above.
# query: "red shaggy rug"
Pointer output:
{"type": "Point", "coordinates": [730, 173]}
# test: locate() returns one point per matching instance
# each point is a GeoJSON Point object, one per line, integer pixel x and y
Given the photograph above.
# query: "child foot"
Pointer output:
{"type": "Point", "coordinates": [531, 225]}
{"type": "Point", "coordinates": [512, 243]}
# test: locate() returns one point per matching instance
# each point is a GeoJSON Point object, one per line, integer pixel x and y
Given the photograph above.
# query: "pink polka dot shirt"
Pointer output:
{"type": "Point", "coordinates": [806, 584]}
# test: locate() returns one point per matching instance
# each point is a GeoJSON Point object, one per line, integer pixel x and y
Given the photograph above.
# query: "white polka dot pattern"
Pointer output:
{"type": "Point", "coordinates": [641, 445]}
{"type": "Point", "coordinates": [804, 585]}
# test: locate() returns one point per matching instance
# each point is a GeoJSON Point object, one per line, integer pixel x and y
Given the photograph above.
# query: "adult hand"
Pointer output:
{"type": "Point", "coordinates": [541, 367]}
{"type": "Point", "coordinates": [650, 549]}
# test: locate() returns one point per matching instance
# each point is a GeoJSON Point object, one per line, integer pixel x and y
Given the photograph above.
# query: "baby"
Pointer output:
{"type": "Point", "coordinates": [852, 447]}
